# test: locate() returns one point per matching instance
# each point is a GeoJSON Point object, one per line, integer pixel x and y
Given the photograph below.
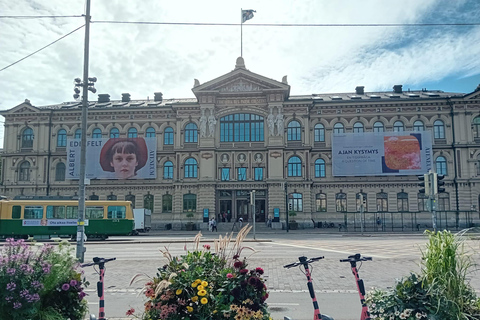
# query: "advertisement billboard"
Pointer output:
{"type": "Point", "coordinates": [114, 158]}
{"type": "Point", "coordinates": [381, 153]}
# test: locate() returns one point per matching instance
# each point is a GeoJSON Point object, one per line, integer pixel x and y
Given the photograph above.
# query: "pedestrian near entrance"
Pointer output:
{"type": "Point", "coordinates": [214, 225]}
{"type": "Point", "coordinates": [269, 222]}
{"type": "Point", "coordinates": [240, 222]}
{"type": "Point", "coordinates": [210, 224]}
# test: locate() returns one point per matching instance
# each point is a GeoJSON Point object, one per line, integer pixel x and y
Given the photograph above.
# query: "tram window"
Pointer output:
{"type": "Point", "coordinates": [55, 212]}
{"type": "Point", "coordinates": [72, 212]}
{"type": "Point", "coordinates": [116, 212]}
{"type": "Point", "coordinates": [94, 213]}
{"type": "Point", "coordinates": [33, 212]}
{"type": "Point", "coordinates": [16, 212]}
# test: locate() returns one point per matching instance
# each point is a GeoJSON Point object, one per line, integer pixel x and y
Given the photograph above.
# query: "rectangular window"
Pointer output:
{"type": "Point", "coordinates": [33, 212]}
{"type": "Point", "coordinates": [55, 212]}
{"type": "Point", "coordinates": [225, 174]}
{"type": "Point", "coordinates": [16, 212]}
{"type": "Point", "coordinates": [72, 212]}
{"type": "Point", "coordinates": [94, 212]}
{"type": "Point", "coordinates": [258, 174]}
{"type": "Point", "coordinates": [116, 212]}
{"type": "Point", "coordinates": [242, 174]}
{"type": "Point", "coordinates": [167, 203]}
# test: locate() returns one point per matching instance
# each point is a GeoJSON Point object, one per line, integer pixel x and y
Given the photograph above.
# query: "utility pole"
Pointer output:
{"type": "Point", "coordinates": [83, 146]}
{"type": "Point", "coordinates": [252, 202]}
{"type": "Point", "coordinates": [362, 209]}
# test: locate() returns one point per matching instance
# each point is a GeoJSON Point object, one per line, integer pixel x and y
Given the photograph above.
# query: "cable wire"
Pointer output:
{"type": "Point", "coordinates": [48, 45]}
{"type": "Point", "coordinates": [39, 17]}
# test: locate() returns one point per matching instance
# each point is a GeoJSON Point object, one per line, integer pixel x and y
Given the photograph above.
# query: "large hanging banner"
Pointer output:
{"type": "Point", "coordinates": [381, 153]}
{"type": "Point", "coordinates": [114, 158]}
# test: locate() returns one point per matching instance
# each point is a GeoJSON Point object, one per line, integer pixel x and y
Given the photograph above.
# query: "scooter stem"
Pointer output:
{"type": "Point", "coordinates": [361, 291]}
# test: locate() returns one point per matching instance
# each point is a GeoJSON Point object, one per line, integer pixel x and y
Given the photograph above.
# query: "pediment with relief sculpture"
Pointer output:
{"type": "Point", "coordinates": [24, 107]}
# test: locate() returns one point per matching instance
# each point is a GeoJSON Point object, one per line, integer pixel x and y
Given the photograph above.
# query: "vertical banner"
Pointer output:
{"type": "Point", "coordinates": [381, 153]}
{"type": "Point", "coordinates": [114, 158]}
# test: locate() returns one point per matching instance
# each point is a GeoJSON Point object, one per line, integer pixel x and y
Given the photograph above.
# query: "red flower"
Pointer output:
{"type": "Point", "coordinates": [243, 271]}
{"type": "Point", "coordinates": [206, 246]}
{"type": "Point", "coordinates": [259, 270]}
{"type": "Point", "coordinates": [238, 264]}
{"type": "Point", "coordinates": [130, 312]}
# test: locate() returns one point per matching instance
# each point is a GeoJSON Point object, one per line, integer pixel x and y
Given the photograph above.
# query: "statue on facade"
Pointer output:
{"type": "Point", "coordinates": [211, 125]}
{"type": "Point", "coordinates": [279, 122]}
{"type": "Point", "coordinates": [203, 125]}
{"type": "Point", "coordinates": [271, 123]}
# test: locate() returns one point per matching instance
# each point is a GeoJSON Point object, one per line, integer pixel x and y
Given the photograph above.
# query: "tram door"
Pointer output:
{"type": "Point", "coordinates": [242, 210]}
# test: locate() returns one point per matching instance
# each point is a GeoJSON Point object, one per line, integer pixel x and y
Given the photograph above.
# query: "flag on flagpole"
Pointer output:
{"type": "Point", "coordinates": [247, 15]}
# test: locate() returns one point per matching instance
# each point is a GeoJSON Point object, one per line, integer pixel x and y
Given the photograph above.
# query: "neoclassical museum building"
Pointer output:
{"type": "Point", "coordinates": [243, 132]}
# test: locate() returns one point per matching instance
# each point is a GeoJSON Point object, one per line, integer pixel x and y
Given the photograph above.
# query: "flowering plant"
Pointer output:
{"type": "Point", "coordinates": [204, 285]}
{"type": "Point", "coordinates": [29, 282]}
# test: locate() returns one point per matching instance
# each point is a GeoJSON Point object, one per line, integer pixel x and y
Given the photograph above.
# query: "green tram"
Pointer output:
{"type": "Point", "coordinates": [59, 218]}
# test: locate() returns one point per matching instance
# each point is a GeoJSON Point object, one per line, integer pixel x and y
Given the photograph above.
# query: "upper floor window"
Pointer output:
{"type": "Point", "coordinates": [78, 134]}
{"type": "Point", "coordinates": [242, 174]}
{"type": "Point", "coordinates": [241, 127]}
{"type": "Point", "coordinates": [191, 133]}
{"type": "Point", "coordinates": [27, 138]}
{"type": "Point", "coordinates": [476, 127]}
{"type": "Point", "coordinates": [341, 202]}
{"type": "Point", "coordinates": [168, 136]}
{"type": "Point", "coordinates": [168, 170]}
{"type": "Point", "coordinates": [258, 173]}
{"type": "Point", "coordinates": [319, 168]}
{"type": "Point", "coordinates": [150, 133]}
{"type": "Point", "coordinates": [93, 196]}
{"type": "Point", "coordinates": [191, 168]}
{"type": "Point", "coordinates": [294, 131]}
{"type": "Point", "coordinates": [438, 129]}
{"type": "Point", "coordinates": [358, 127]}
{"type": "Point", "coordinates": [225, 174]}
{"type": "Point", "coordinates": [295, 201]}
{"type": "Point", "coordinates": [478, 165]}
{"type": "Point", "coordinates": [398, 126]}
{"type": "Point", "coordinates": [97, 133]}
{"type": "Point", "coordinates": [114, 133]}
{"type": "Point", "coordinates": [62, 138]}
{"type": "Point", "coordinates": [378, 127]}
{"type": "Point", "coordinates": [338, 128]}
{"type": "Point", "coordinates": [60, 172]}
{"type": "Point", "coordinates": [418, 126]}
{"type": "Point", "coordinates": [24, 172]}
{"type": "Point", "coordinates": [132, 133]}
{"type": "Point", "coordinates": [294, 167]}
{"type": "Point", "coordinates": [319, 133]}
{"type": "Point", "coordinates": [112, 197]}
{"type": "Point", "coordinates": [441, 165]}
{"type": "Point", "coordinates": [321, 202]}
{"type": "Point", "coordinates": [130, 197]}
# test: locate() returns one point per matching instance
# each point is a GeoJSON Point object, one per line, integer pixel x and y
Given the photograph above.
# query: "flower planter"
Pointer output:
{"type": "Point", "coordinates": [189, 226]}
{"type": "Point", "coordinates": [293, 225]}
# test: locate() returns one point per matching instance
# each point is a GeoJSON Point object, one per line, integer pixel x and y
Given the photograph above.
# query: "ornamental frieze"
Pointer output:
{"type": "Point", "coordinates": [240, 101]}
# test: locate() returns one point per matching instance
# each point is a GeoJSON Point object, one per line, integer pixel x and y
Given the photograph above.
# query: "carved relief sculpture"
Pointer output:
{"type": "Point", "coordinates": [211, 125]}
{"type": "Point", "coordinates": [279, 122]}
{"type": "Point", "coordinates": [271, 123]}
{"type": "Point", "coordinates": [203, 125]}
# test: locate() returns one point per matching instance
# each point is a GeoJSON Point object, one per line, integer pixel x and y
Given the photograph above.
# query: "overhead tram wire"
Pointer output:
{"type": "Point", "coordinates": [48, 45]}
{"type": "Point", "coordinates": [40, 17]}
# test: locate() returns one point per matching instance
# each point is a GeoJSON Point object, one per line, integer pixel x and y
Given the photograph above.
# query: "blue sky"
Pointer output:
{"type": "Point", "coordinates": [143, 59]}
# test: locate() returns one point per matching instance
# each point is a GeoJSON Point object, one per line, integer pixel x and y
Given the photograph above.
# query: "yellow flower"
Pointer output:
{"type": "Point", "coordinates": [202, 293]}
{"type": "Point", "coordinates": [204, 283]}
{"type": "Point", "coordinates": [189, 309]}
{"type": "Point", "coordinates": [178, 292]}
{"type": "Point", "coordinates": [203, 300]}
{"type": "Point", "coordinates": [214, 311]}
{"type": "Point", "coordinates": [194, 284]}
{"type": "Point", "coordinates": [200, 287]}
{"type": "Point", "coordinates": [194, 299]}
{"type": "Point", "coordinates": [198, 281]}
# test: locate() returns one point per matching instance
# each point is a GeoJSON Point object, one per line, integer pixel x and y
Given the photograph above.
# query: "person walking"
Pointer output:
{"type": "Point", "coordinates": [240, 222]}
{"type": "Point", "coordinates": [214, 225]}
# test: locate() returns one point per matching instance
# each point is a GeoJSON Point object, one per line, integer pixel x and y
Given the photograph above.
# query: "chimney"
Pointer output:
{"type": "Point", "coordinates": [397, 88]}
{"type": "Point", "coordinates": [359, 90]}
{"type": "Point", "coordinates": [103, 97]}
{"type": "Point", "coordinates": [158, 97]}
{"type": "Point", "coordinates": [125, 97]}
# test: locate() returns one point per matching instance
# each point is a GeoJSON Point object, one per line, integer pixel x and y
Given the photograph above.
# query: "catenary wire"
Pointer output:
{"type": "Point", "coordinates": [40, 17]}
{"type": "Point", "coordinates": [42, 48]}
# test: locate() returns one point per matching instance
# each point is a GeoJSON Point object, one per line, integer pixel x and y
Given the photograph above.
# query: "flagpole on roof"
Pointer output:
{"type": "Point", "coordinates": [241, 32]}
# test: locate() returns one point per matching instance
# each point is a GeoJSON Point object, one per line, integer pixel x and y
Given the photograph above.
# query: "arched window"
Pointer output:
{"type": "Point", "coordinates": [241, 127]}
{"type": "Point", "coordinates": [78, 134]}
{"type": "Point", "coordinates": [294, 167]}
{"type": "Point", "coordinates": [24, 172]}
{"type": "Point", "coordinates": [62, 138]}
{"type": "Point", "coordinates": [148, 202]}
{"type": "Point", "coordinates": [294, 131]}
{"type": "Point", "coordinates": [402, 201]}
{"type": "Point", "coordinates": [97, 133]}
{"type": "Point", "coordinates": [189, 202]}
{"type": "Point", "coordinates": [130, 197]}
{"type": "Point", "coordinates": [191, 133]}
{"type": "Point", "coordinates": [476, 127]}
{"type": "Point", "coordinates": [338, 128]}
{"type": "Point", "coordinates": [60, 172]}
{"type": "Point", "coordinates": [114, 133]}
{"type": "Point", "coordinates": [319, 168]}
{"type": "Point", "coordinates": [478, 165]}
{"type": "Point", "coordinates": [341, 202]}
{"type": "Point", "coordinates": [132, 133]}
{"type": "Point", "coordinates": [398, 126]}
{"type": "Point", "coordinates": [295, 201]}
{"type": "Point", "coordinates": [378, 127]}
{"type": "Point", "coordinates": [191, 168]}
{"type": "Point", "coordinates": [168, 136]}
{"type": "Point", "coordinates": [27, 138]}
{"type": "Point", "coordinates": [112, 197]}
{"type": "Point", "coordinates": [93, 196]}
{"type": "Point", "coordinates": [319, 132]}
{"type": "Point", "coordinates": [438, 129]}
{"type": "Point", "coordinates": [418, 126]}
{"type": "Point", "coordinates": [167, 203]}
{"type": "Point", "coordinates": [382, 201]}
{"type": "Point", "coordinates": [321, 202]}
{"type": "Point", "coordinates": [168, 170]}
{"type": "Point", "coordinates": [441, 165]}
{"type": "Point", "coordinates": [358, 127]}
{"type": "Point", "coordinates": [361, 198]}
{"type": "Point", "coordinates": [150, 133]}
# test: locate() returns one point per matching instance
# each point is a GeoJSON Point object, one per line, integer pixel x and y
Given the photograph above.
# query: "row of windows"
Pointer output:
{"type": "Point", "coordinates": [248, 127]}
{"type": "Point", "coordinates": [68, 212]}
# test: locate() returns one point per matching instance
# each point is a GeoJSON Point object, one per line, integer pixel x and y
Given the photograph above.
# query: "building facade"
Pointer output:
{"type": "Point", "coordinates": [244, 132]}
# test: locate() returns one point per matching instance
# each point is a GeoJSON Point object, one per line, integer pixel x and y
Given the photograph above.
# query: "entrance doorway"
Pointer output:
{"type": "Point", "coordinates": [225, 211]}
{"type": "Point", "coordinates": [260, 211]}
{"type": "Point", "coordinates": [243, 210]}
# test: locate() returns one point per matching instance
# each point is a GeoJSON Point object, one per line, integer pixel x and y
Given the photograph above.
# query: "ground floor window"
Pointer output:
{"type": "Point", "coordinates": [189, 202]}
